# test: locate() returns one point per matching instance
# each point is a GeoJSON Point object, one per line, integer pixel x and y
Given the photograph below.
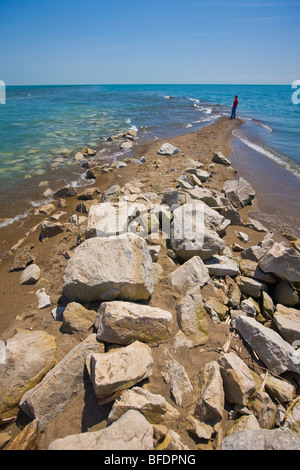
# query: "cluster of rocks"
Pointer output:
{"type": "Point", "coordinates": [254, 290]}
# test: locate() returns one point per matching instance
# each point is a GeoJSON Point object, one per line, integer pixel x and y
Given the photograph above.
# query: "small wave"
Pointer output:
{"type": "Point", "coordinates": [194, 100]}
{"type": "Point", "coordinates": [265, 126]}
{"type": "Point", "coordinates": [133, 128]}
{"type": "Point", "coordinates": [6, 222]}
{"type": "Point", "coordinates": [259, 123]}
{"type": "Point", "coordinates": [207, 119]}
{"type": "Point", "coordinates": [282, 160]}
{"type": "Point", "coordinates": [167, 97]}
{"type": "Point", "coordinates": [128, 121]}
{"type": "Point", "coordinates": [188, 125]}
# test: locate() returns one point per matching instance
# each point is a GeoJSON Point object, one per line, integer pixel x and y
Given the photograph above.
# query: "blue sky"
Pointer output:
{"type": "Point", "coordinates": [158, 41]}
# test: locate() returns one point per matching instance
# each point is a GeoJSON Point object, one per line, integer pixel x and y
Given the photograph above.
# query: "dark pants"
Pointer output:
{"type": "Point", "coordinates": [233, 113]}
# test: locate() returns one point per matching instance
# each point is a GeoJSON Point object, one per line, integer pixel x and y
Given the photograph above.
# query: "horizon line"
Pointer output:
{"type": "Point", "coordinates": [151, 84]}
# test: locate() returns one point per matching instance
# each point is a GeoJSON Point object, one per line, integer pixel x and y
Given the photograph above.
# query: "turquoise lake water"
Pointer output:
{"type": "Point", "coordinates": [42, 127]}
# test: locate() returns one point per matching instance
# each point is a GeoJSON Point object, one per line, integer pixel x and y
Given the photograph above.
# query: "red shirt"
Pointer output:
{"type": "Point", "coordinates": [235, 103]}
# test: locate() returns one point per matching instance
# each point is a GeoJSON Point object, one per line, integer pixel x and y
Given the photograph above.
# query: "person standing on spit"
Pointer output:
{"type": "Point", "coordinates": [234, 106]}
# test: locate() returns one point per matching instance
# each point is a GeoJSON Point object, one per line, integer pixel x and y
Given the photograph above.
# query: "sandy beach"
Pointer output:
{"type": "Point", "coordinates": [159, 173]}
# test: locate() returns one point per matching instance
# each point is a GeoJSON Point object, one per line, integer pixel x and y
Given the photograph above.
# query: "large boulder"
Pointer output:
{"type": "Point", "coordinates": [282, 261]}
{"type": "Point", "coordinates": [188, 275]}
{"type": "Point", "coordinates": [125, 322]}
{"type": "Point", "coordinates": [62, 383]}
{"type": "Point", "coordinates": [276, 353]}
{"type": "Point", "coordinates": [189, 235]}
{"type": "Point", "coordinates": [275, 439]}
{"type": "Point", "coordinates": [119, 369]}
{"type": "Point", "coordinates": [29, 355]}
{"type": "Point", "coordinates": [108, 269]}
{"type": "Point", "coordinates": [239, 192]}
{"type": "Point", "coordinates": [107, 219]}
{"type": "Point", "coordinates": [131, 432]}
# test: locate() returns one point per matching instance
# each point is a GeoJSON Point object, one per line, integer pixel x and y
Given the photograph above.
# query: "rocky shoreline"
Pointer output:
{"type": "Point", "coordinates": [158, 338]}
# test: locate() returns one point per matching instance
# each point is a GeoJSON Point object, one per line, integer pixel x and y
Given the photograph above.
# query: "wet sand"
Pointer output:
{"type": "Point", "coordinates": [277, 190]}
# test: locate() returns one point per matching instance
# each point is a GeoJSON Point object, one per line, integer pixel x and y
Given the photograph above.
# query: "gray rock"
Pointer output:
{"type": "Point", "coordinates": [284, 294]}
{"type": "Point", "coordinates": [185, 277]}
{"type": "Point", "coordinates": [221, 266]}
{"type": "Point", "coordinates": [239, 192]}
{"type": "Point", "coordinates": [168, 150]}
{"type": "Point", "coordinates": [65, 192]}
{"type": "Point", "coordinates": [219, 158]}
{"type": "Point", "coordinates": [50, 229]}
{"type": "Point", "coordinates": [154, 407]}
{"type": "Point", "coordinates": [276, 439]}
{"type": "Point", "coordinates": [125, 322]}
{"type": "Point", "coordinates": [282, 261]}
{"type": "Point", "coordinates": [29, 355]}
{"type": "Point", "coordinates": [250, 286]}
{"type": "Point", "coordinates": [180, 385]}
{"type": "Point", "coordinates": [191, 317]}
{"type": "Point", "coordinates": [264, 409]}
{"type": "Point", "coordinates": [30, 275]}
{"type": "Point", "coordinates": [234, 293]}
{"type": "Point", "coordinates": [108, 269]}
{"type": "Point", "coordinates": [238, 381]}
{"type": "Point", "coordinates": [131, 432]}
{"type": "Point", "coordinates": [22, 258]}
{"type": "Point", "coordinates": [255, 225]}
{"type": "Point", "coordinates": [250, 268]}
{"type": "Point", "coordinates": [119, 369]}
{"type": "Point", "coordinates": [172, 198]}
{"type": "Point", "coordinates": [62, 383]}
{"type": "Point", "coordinates": [255, 253]}
{"type": "Point", "coordinates": [246, 422]}
{"type": "Point", "coordinates": [192, 243]}
{"type": "Point", "coordinates": [277, 354]}
{"type": "Point", "coordinates": [248, 307]}
{"type": "Point", "coordinates": [78, 319]}
{"type": "Point", "coordinates": [210, 406]}
{"type": "Point", "coordinates": [287, 321]}
{"type": "Point", "coordinates": [280, 390]}
{"type": "Point", "coordinates": [88, 194]}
